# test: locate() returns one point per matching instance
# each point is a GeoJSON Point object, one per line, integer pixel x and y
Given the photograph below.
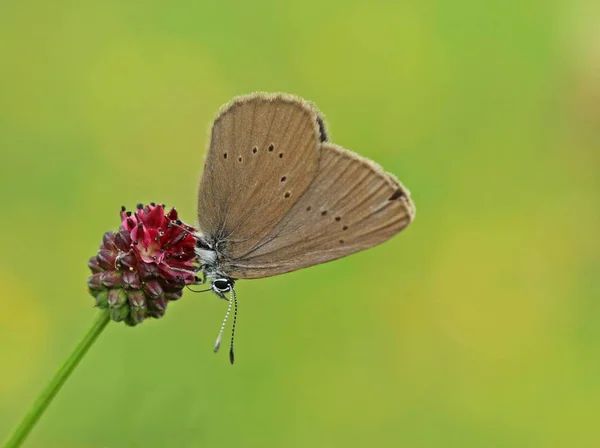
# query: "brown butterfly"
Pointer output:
{"type": "Point", "coordinates": [277, 196]}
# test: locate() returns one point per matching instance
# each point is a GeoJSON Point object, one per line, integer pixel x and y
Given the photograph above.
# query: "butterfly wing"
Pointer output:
{"type": "Point", "coordinates": [263, 155]}
{"type": "Point", "coordinates": [351, 205]}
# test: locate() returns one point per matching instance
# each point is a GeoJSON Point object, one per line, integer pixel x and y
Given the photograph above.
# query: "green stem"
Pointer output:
{"type": "Point", "coordinates": [20, 433]}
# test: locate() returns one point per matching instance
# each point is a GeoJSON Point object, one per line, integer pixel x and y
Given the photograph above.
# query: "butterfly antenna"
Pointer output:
{"type": "Point", "coordinates": [218, 342]}
{"type": "Point", "coordinates": [235, 312]}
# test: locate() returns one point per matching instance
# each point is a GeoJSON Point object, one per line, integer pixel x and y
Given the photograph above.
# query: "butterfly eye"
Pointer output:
{"type": "Point", "coordinates": [221, 285]}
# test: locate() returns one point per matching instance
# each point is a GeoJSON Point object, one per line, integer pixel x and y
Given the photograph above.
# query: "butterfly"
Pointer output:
{"type": "Point", "coordinates": [277, 196]}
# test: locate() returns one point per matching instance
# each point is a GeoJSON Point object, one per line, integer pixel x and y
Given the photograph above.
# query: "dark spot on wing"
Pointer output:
{"type": "Point", "coordinates": [322, 131]}
{"type": "Point", "coordinates": [397, 194]}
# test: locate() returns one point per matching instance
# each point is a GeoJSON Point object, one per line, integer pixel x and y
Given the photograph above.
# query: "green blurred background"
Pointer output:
{"type": "Point", "coordinates": [476, 327]}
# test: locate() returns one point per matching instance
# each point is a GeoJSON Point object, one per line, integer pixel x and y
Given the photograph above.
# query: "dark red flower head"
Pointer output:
{"type": "Point", "coordinates": [138, 270]}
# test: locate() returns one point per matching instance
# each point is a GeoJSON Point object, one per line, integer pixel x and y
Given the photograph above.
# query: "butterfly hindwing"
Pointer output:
{"type": "Point", "coordinates": [351, 205]}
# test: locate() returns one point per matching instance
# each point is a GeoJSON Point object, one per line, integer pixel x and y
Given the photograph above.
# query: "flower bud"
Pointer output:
{"type": "Point", "coordinates": [102, 299]}
{"type": "Point", "coordinates": [148, 270]}
{"type": "Point", "coordinates": [131, 280]}
{"type": "Point", "coordinates": [94, 265]}
{"type": "Point", "coordinates": [94, 281]}
{"type": "Point", "coordinates": [123, 241]}
{"type": "Point", "coordinates": [110, 279]}
{"type": "Point", "coordinates": [117, 297]}
{"type": "Point", "coordinates": [119, 314]}
{"type": "Point", "coordinates": [126, 260]}
{"type": "Point", "coordinates": [153, 289]}
{"type": "Point", "coordinates": [137, 304]}
{"type": "Point", "coordinates": [157, 307]}
{"type": "Point", "coordinates": [108, 240]}
{"type": "Point", "coordinates": [173, 295]}
{"type": "Point", "coordinates": [106, 259]}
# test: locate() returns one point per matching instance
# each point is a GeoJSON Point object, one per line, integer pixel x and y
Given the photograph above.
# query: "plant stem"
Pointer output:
{"type": "Point", "coordinates": [39, 406]}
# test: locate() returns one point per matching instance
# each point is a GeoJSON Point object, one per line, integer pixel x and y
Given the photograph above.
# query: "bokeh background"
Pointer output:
{"type": "Point", "coordinates": [479, 326]}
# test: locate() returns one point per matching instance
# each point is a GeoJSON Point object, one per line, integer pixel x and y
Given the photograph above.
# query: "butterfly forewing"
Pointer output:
{"type": "Point", "coordinates": [351, 205]}
{"type": "Point", "coordinates": [264, 153]}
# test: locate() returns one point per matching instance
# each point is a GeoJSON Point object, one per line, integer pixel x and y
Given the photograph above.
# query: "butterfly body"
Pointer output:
{"type": "Point", "coordinates": [208, 256]}
{"type": "Point", "coordinates": [277, 196]}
